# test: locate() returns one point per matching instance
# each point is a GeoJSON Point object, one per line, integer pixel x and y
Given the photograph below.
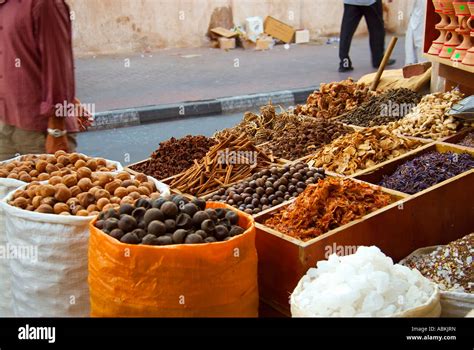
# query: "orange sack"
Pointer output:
{"type": "Point", "coordinates": [204, 280]}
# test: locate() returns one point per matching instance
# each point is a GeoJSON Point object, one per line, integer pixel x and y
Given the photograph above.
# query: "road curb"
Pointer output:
{"type": "Point", "coordinates": [151, 114]}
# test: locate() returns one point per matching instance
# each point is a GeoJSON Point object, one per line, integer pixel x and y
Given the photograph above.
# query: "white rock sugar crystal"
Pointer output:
{"type": "Point", "coordinates": [366, 283]}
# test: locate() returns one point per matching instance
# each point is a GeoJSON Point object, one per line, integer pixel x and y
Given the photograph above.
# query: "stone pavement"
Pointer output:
{"type": "Point", "coordinates": [173, 76]}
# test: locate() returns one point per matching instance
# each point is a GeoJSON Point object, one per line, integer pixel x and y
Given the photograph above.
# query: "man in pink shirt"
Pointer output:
{"type": "Point", "coordinates": [36, 76]}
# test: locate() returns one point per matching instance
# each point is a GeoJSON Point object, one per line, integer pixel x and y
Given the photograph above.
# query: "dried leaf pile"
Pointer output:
{"type": "Point", "coordinates": [174, 156]}
{"type": "Point", "coordinates": [468, 140]}
{"type": "Point", "coordinates": [429, 120]}
{"type": "Point", "coordinates": [334, 99]}
{"type": "Point", "coordinates": [327, 205]}
{"type": "Point", "coordinates": [263, 127]}
{"type": "Point", "coordinates": [385, 108]}
{"type": "Point", "coordinates": [361, 150]}
{"type": "Point", "coordinates": [232, 159]}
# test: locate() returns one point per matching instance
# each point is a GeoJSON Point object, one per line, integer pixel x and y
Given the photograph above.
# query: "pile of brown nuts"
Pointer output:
{"type": "Point", "coordinates": [269, 187]}
{"type": "Point", "coordinates": [175, 156]}
{"type": "Point", "coordinates": [167, 221]}
{"type": "Point", "coordinates": [42, 167]}
{"type": "Point", "coordinates": [334, 99]}
{"type": "Point", "coordinates": [84, 193]}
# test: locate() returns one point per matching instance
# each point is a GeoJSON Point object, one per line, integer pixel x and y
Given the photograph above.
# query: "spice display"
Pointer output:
{"type": "Point", "coordinates": [362, 149]}
{"type": "Point", "coordinates": [306, 138]}
{"type": "Point", "coordinates": [232, 159]}
{"type": "Point", "coordinates": [330, 203]}
{"type": "Point", "coordinates": [449, 266]}
{"type": "Point", "coordinates": [383, 109]}
{"type": "Point", "coordinates": [264, 127]}
{"type": "Point", "coordinates": [175, 156]}
{"type": "Point", "coordinates": [42, 167]}
{"type": "Point", "coordinates": [427, 170]}
{"type": "Point", "coordinates": [364, 284]}
{"type": "Point", "coordinates": [84, 193]}
{"type": "Point", "coordinates": [269, 187]}
{"type": "Point", "coordinates": [166, 221]}
{"type": "Point", "coordinates": [468, 140]}
{"type": "Point", "coordinates": [334, 99]}
{"type": "Point", "coordinates": [428, 119]}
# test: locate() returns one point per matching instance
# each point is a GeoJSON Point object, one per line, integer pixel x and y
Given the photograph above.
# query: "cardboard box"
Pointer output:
{"type": "Point", "coordinates": [302, 36]}
{"type": "Point", "coordinates": [247, 44]}
{"type": "Point", "coordinates": [225, 33]}
{"type": "Point", "coordinates": [226, 43]}
{"type": "Point", "coordinates": [278, 29]}
{"type": "Point", "coordinates": [265, 43]}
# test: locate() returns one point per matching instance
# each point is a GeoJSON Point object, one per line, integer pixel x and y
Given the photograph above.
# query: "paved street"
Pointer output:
{"type": "Point", "coordinates": [178, 75]}
{"type": "Point", "coordinates": [132, 144]}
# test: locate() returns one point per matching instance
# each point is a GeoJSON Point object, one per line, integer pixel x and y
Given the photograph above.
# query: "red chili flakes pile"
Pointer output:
{"type": "Point", "coordinates": [327, 205]}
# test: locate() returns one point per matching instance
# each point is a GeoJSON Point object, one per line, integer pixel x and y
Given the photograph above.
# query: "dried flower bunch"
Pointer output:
{"type": "Point", "coordinates": [361, 149]}
{"type": "Point", "coordinates": [329, 204]}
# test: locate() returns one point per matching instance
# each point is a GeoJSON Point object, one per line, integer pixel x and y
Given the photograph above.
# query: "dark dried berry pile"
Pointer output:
{"type": "Point", "coordinates": [427, 170]}
{"type": "Point", "coordinates": [269, 187]}
{"type": "Point", "coordinates": [174, 220]}
{"type": "Point", "coordinates": [383, 109]}
{"type": "Point", "coordinates": [175, 156]}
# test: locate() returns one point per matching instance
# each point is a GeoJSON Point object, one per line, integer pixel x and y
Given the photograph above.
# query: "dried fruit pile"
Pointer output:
{"type": "Point", "coordinates": [361, 150]}
{"type": "Point", "coordinates": [427, 170]}
{"type": "Point", "coordinates": [334, 99]}
{"type": "Point", "coordinates": [174, 220]}
{"type": "Point", "coordinates": [306, 137]}
{"type": "Point", "coordinates": [449, 266]}
{"type": "Point", "coordinates": [174, 156]}
{"type": "Point", "coordinates": [232, 159]}
{"type": "Point", "coordinates": [42, 167]}
{"type": "Point", "coordinates": [84, 193]}
{"type": "Point", "coordinates": [429, 120]}
{"type": "Point", "coordinates": [327, 205]}
{"type": "Point", "coordinates": [468, 140]}
{"type": "Point", "coordinates": [263, 127]}
{"type": "Point", "coordinates": [269, 187]}
{"type": "Point", "coordinates": [383, 109]}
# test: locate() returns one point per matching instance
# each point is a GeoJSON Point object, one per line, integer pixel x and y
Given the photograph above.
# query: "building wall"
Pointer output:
{"type": "Point", "coordinates": [117, 26]}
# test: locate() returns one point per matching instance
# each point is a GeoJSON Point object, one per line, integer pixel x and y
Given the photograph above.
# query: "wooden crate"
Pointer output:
{"type": "Point", "coordinates": [283, 260]}
{"type": "Point", "coordinates": [374, 175]}
{"type": "Point", "coordinates": [454, 139]}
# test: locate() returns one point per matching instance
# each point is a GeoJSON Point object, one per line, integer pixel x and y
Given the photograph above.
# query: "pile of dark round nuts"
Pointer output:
{"type": "Point", "coordinates": [269, 187]}
{"type": "Point", "coordinates": [171, 220]}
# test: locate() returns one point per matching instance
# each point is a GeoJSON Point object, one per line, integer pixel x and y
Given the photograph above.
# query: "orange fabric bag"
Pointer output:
{"type": "Point", "coordinates": [205, 280]}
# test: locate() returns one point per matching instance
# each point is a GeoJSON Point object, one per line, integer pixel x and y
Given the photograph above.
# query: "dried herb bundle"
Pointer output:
{"type": "Point", "coordinates": [329, 204]}
{"type": "Point", "coordinates": [428, 119]}
{"type": "Point", "coordinates": [361, 150]}
{"type": "Point", "coordinates": [427, 170]}
{"type": "Point", "coordinates": [232, 159]}
{"type": "Point", "coordinates": [383, 109]}
{"type": "Point", "coordinates": [174, 156]}
{"type": "Point", "coordinates": [334, 99]}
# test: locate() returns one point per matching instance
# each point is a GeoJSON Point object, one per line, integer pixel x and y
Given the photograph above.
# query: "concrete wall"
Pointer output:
{"type": "Point", "coordinates": [117, 26]}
